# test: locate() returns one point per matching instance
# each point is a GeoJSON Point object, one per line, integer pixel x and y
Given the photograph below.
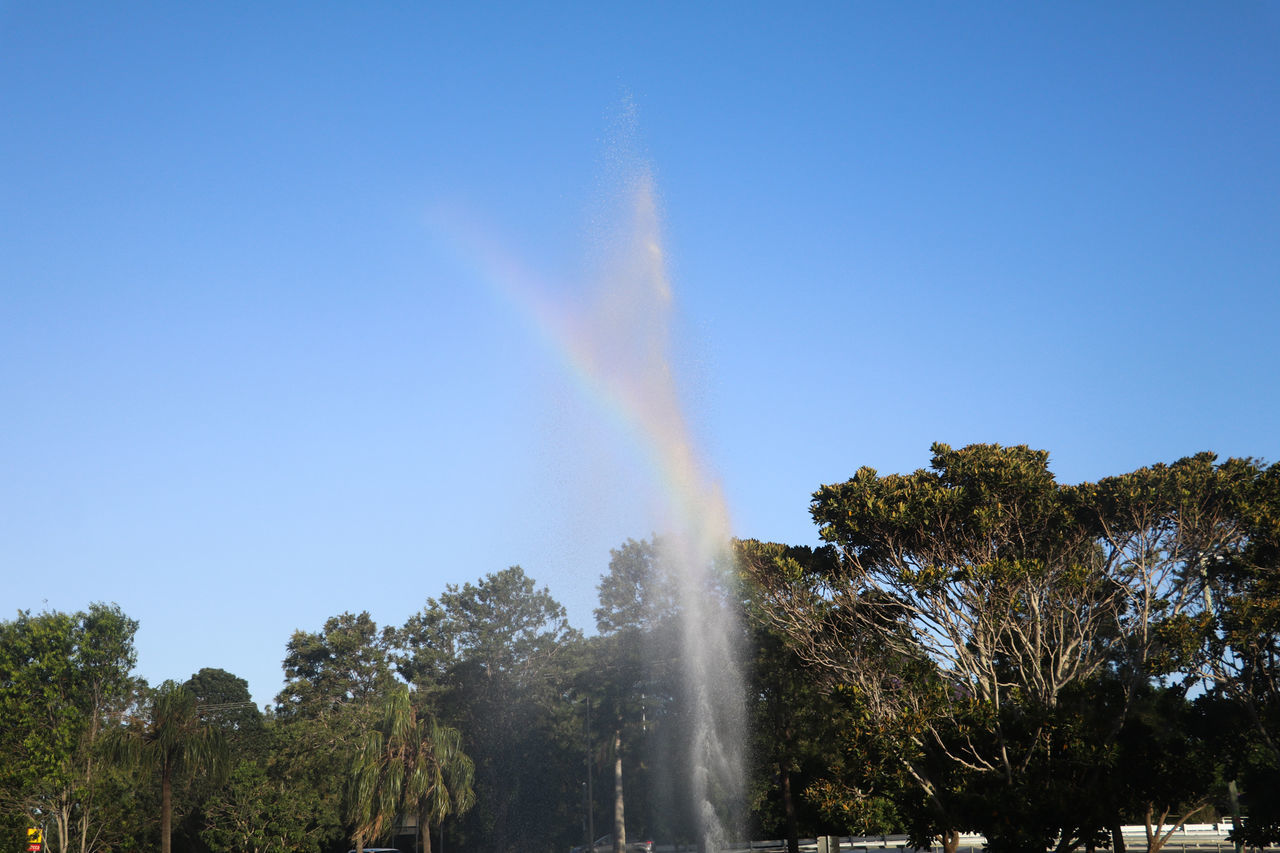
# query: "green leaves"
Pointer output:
{"type": "Point", "coordinates": [983, 576]}
{"type": "Point", "coordinates": [62, 677]}
{"type": "Point", "coordinates": [639, 591]}
{"type": "Point", "coordinates": [172, 740]}
{"type": "Point", "coordinates": [408, 763]}
{"type": "Point", "coordinates": [347, 661]}
{"type": "Point", "coordinates": [496, 658]}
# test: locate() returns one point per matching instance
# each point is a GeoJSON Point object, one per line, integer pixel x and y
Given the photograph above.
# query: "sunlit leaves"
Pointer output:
{"type": "Point", "coordinates": [1019, 592]}
{"type": "Point", "coordinates": [62, 677]}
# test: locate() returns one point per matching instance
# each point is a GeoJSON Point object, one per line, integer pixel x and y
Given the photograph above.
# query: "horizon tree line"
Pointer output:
{"type": "Point", "coordinates": [975, 648]}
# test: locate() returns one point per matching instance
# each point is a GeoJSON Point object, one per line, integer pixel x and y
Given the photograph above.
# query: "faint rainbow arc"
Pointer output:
{"type": "Point", "coordinates": [656, 426]}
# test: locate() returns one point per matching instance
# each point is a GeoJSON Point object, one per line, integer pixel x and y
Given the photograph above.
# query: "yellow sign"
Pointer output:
{"type": "Point", "coordinates": [35, 840]}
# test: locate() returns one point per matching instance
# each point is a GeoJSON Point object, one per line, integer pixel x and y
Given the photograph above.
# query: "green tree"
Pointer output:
{"type": "Point", "coordinates": [638, 592]}
{"type": "Point", "coordinates": [171, 738]}
{"type": "Point", "coordinates": [334, 679]}
{"type": "Point", "coordinates": [347, 661]}
{"type": "Point", "coordinates": [876, 772]}
{"type": "Point", "coordinates": [224, 700]}
{"type": "Point", "coordinates": [810, 779]}
{"type": "Point", "coordinates": [1236, 644]}
{"type": "Point", "coordinates": [278, 795]}
{"type": "Point", "coordinates": [633, 683]}
{"type": "Point", "coordinates": [974, 600]}
{"type": "Point", "coordinates": [1165, 765]}
{"type": "Point", "coordinates": [62, 678]}
{"type": "Point", "coordinates": [408, 764]}
{"type": "Point", "coordinates": [256, 813]}
{"type": "Point", "coordinates": [498, 657]}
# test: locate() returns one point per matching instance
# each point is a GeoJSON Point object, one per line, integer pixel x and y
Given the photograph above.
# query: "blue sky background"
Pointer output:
{"type": "Point", "coordinates": [249, 381]}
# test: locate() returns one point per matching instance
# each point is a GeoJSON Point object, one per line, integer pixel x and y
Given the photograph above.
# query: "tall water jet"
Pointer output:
{"type": "Point", "coordinates": [622, 345]}
{"type": "Point", "coordinates": [616, 339]}
{"type": "Point", "coordinates": [631, 349]}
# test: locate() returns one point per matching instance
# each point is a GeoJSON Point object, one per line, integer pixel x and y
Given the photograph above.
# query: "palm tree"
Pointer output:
{"type": "Point", "coordinates": [408, 764]}
{"type": "Point", "coordinates": [171, 738]}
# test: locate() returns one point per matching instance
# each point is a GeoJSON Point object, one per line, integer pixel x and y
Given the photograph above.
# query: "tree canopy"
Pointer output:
{"type": "Point", "coordinates": [974, 646]}
{"type": "Point", "coordinates": [63, 676]}
{"type": "Point", "coordinates": [976, 605]}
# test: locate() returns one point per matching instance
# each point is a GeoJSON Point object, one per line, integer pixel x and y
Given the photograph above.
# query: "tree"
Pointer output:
{"type": "Point", "coordinates": [957, 589]}
{"type": "Point", "coordinates": [668, 656]}
{"type": "Point", "coordinates": [171, 738]}
{"type": "Point", "coordinates": [633, 677]}
{"type": "Point", "coordinates": [1234, 647]}
{"type": "Point", "coordinates": [1205, 536]}
{"type": "Point", "coordinates": [971, 600]}
{"type": "Point", "coordinates": [817, 774]}
{"type": "Point", "coordinates": [62, 676]}
{"type": "Point", "coordinates": [498, 657]}
{"type": "Point", "coordinates": [346, 662]}
{"type": "Point", "coordinates": [408, 764]}
{"type": "Point", "coordinates": [638, 592]}
{"type": "Point", "coordinates": [279, 795]}
{"type": "Point", "coordinates": [224, 700]}
{"type": "Point", "coordinates": [1165, 766]}
{"type": "Point", "coordinates": [260, 810]}
{"type": "Point", "coordinates": [334, 678]}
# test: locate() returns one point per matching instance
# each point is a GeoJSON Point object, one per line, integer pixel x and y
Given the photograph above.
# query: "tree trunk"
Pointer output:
{"type": "Point", "coordinates": [166, 809]}
{"type": "Point", "coordinates": [94, 722]}
{"type": "Point", "coordinates": [619, 821]}
{"type": "Point", "coordinates": [84, 832]}
{"type": "Point", "coordinates": [1117, 838]}
{"type": "Point", "coordinates": [84, 812]}
{"type": "Point", "coordinates": [789, 808]}
{"type": "Point", "coordinates": [1155, 829]}
{"type": "Point", "coordinates": [425, 828]}
{"type": "Point", "coordinates": [64, 826]}
{"type": "Point", "coordinates": [951, 841]}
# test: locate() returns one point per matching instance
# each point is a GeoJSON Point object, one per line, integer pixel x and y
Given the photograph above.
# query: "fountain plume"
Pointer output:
{"type": "Point", "coordinates": [695, 516]}
{"type": "Point", "coordinates": [617, 345]}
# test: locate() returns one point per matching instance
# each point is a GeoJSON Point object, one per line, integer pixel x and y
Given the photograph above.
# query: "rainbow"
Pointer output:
{"type": "Point", "coordinates": [616, 352]}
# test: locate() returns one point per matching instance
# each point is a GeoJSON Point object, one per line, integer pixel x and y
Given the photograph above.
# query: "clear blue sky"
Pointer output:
{"type": "Point", "coordinates": [248, 380]}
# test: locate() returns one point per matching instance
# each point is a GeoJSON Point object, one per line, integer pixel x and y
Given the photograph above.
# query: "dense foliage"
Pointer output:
{"type": "Point", "coordinates": [975, 647]}
{"type": "Point", "coordinates": [1006, 639]}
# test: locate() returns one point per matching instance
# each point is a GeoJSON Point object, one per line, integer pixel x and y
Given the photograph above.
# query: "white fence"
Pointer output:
{"type": "Point", "coordinates": [1204, 837]}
